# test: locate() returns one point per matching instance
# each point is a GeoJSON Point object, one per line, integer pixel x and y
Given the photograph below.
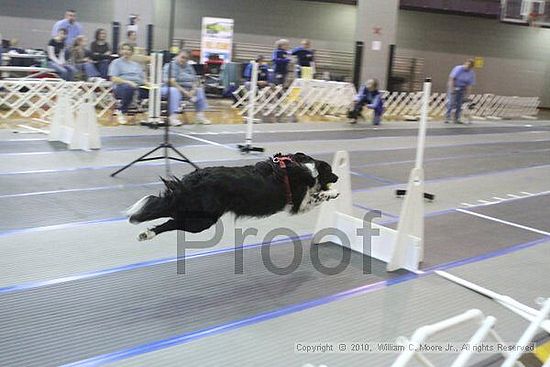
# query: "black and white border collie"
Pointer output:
{"type": "Point", "coordinates": [296, 183]}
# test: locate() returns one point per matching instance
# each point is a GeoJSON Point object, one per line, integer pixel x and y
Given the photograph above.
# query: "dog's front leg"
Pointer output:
{"type": "Point", "coordinates": [152, 232]}
{"type": "Point", "coordinates": [317, 198]}
{"type": "Point", "coordinates": [328, 195]}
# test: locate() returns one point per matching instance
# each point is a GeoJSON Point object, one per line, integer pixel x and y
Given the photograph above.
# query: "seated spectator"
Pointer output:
{"type": "Point", "coordinates": [370, 96]}
{"type": "Point", "coordinates": [56, 56]}
{"type": "Point", "coordinates": [127, 77]}
{"type": "Point", "coordinates": [101, 52]}
{"type": "Point", "coordinates": [280, 61]}
{"type": "Point", "coordinates": [79, 57]}
{"type": "Point", "coordinates": [12, 46]}
{"type": "Point", "coordinates": [304, 56]}
{"type": "Point", "coordinates": [183, 84]}
{"type": "Point", "coordinates": [263, 72]}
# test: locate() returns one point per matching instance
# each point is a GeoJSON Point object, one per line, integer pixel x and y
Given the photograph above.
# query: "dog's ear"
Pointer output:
{"type": "Point", "coordinates": [300, 173]}
{"type": "Point", "coordinates": [302, 158]}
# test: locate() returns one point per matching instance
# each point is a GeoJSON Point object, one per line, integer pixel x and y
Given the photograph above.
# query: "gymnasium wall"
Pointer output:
{"type": "Point", "coordinates": [330, 26]}
{"type": "Point", "coordinates": [516, 57]}
{"type": "Point", "coordinates": [31, 21]}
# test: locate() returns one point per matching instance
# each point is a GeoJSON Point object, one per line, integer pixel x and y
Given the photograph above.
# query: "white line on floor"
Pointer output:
{"type": "Point", "coordinates": [486, 202]}
{"type": "Point", "coordinates": [526, 193]}
{"type": "Point", "coordinates": [504, 222]}
{"type": "Point", "coordinates": [515, 196]}
{"type": "Point", "coordinates": [496, 197]}
{"type": "Point", "coordinates": [466, 204]}
{"type": "Point", "coordinates": [206, 141]}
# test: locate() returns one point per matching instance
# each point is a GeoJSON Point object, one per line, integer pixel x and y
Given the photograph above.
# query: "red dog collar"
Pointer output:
{"type": "Point", "coordinates": [282, 161]}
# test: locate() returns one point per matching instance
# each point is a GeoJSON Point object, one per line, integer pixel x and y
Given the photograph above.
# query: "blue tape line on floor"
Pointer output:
{"type": "Point", "coordinates": [94, 274]}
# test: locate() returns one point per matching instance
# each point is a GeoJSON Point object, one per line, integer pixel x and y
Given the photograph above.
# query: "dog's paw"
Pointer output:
{"type": "Point", "coordinates": [329, 194]}
{"type": "Point", "coordinates": [146, 235]}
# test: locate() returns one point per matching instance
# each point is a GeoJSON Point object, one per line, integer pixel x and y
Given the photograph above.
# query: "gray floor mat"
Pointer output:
{"type": "Point", "coordinates": [145, 141]}
{"type": "Point", "coordinates": [375, 133]}
{"type": "Point", "coordinates": [456, 236]}
{"type": "Point", "coordinates": [52, 209]}
{"type": "Point", "coordinates": [459, 167]}
{"type": "Point", "coordinates": [532, 212]}
{"type": "Point", "coordinates": [107, 143]}
{"type": "Point", "coordinates": [146, 173]}
{"type": "Point", "coordinates": [68, 322]}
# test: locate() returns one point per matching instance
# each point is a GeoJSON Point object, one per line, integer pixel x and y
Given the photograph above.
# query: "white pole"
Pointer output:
{"type": "Point", "coordinates": [475, 340]}
{"type": "Point", "coordinates": [528, 335]}
{"type": "Point", "coordinates": [426, 94]}
{"type": "Point", "coordinates": [424, 332]}
{"type": "Point", "coordinates": [154, 91]}
{"type": "Point", "coordinates": [507, 301]}
{"type": "Point", "coordinates": [411, 218]}
{"type": "Point", "coordinates": [251, 103]}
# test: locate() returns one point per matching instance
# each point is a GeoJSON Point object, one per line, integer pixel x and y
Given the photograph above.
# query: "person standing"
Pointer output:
{"type": "Point", "coordinates": [461, 80]}
{"type": "Point", "coordinates": [305, 57]}
{"type": "Point", "coordinates": [69, 23]}
{"type": "Point", "coordinates": [280, 61]}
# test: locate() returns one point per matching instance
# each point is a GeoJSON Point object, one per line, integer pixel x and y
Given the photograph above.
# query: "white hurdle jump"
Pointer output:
{"type": "Point", "coordinates": [401, 249]}
{"type": "Point", "coordinates": [378, 242]}
{"type": "Point", "coordinates": [81, 132]}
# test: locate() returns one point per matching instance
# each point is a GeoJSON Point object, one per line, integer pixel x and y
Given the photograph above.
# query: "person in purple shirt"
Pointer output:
{"type": "Point", "coordinates": [461, 80]}
{"type": "Point", "coordinates": [74, 29]}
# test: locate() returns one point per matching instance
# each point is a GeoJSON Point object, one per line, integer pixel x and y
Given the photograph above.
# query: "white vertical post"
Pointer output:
{"type": "Point", "coordinates": [251, 103]}
{"type": "Point", "coordinates": [411, 218]}
{"type": "Point", "coordinates": [426, 93]}
{"type": "Point", "coordinates": [154, 92]}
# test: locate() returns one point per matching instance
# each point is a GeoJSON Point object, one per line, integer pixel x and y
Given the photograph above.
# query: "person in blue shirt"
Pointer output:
{"type": "Point", "coordinates": [304, 55]}
{"type": "Point", "coordinates": [128, 78]}
{"type": "Point", "coordinates": [461, 80]}
{"type": "Point", "coordinates": [280, 61]}
{"type": "Point", "coordinates": [183, 84]}
{"type": "Point", "coordinates": [74, 29]}
{"type": "Point", "coordinates": [368, 96]}
{"type": "Point", "coordinates": [263, 72]}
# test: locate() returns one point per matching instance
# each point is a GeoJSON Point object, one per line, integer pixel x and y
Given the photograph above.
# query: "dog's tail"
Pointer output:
{"type": "Point", "coordinates": [147, 208]}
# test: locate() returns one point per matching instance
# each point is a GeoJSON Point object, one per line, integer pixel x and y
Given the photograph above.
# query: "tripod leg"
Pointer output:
{"type": "Point", "coordinates": [182, 156]}
{"type": "Point", "coordinates": [135, 161]}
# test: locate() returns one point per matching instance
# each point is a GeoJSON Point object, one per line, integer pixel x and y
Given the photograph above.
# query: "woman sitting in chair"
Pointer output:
{"type": "Point", "coordinates": [128, 78]}
{"type": "Point", "coordinates": [183, 84]}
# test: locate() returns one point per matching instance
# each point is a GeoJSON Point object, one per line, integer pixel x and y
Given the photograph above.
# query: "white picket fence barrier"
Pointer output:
{"type": "Point", "coordinates": [321, 98]}
{"type": "Point", "coordinates": [302, 97]}
{"type": "Point", "coordinates": [29, 98]}
{"type": "Point", "coordinates": [36, 98]}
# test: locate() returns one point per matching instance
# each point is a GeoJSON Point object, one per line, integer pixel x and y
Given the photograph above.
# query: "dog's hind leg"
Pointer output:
{"type": "Point", "coordinates": [171, 225]}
